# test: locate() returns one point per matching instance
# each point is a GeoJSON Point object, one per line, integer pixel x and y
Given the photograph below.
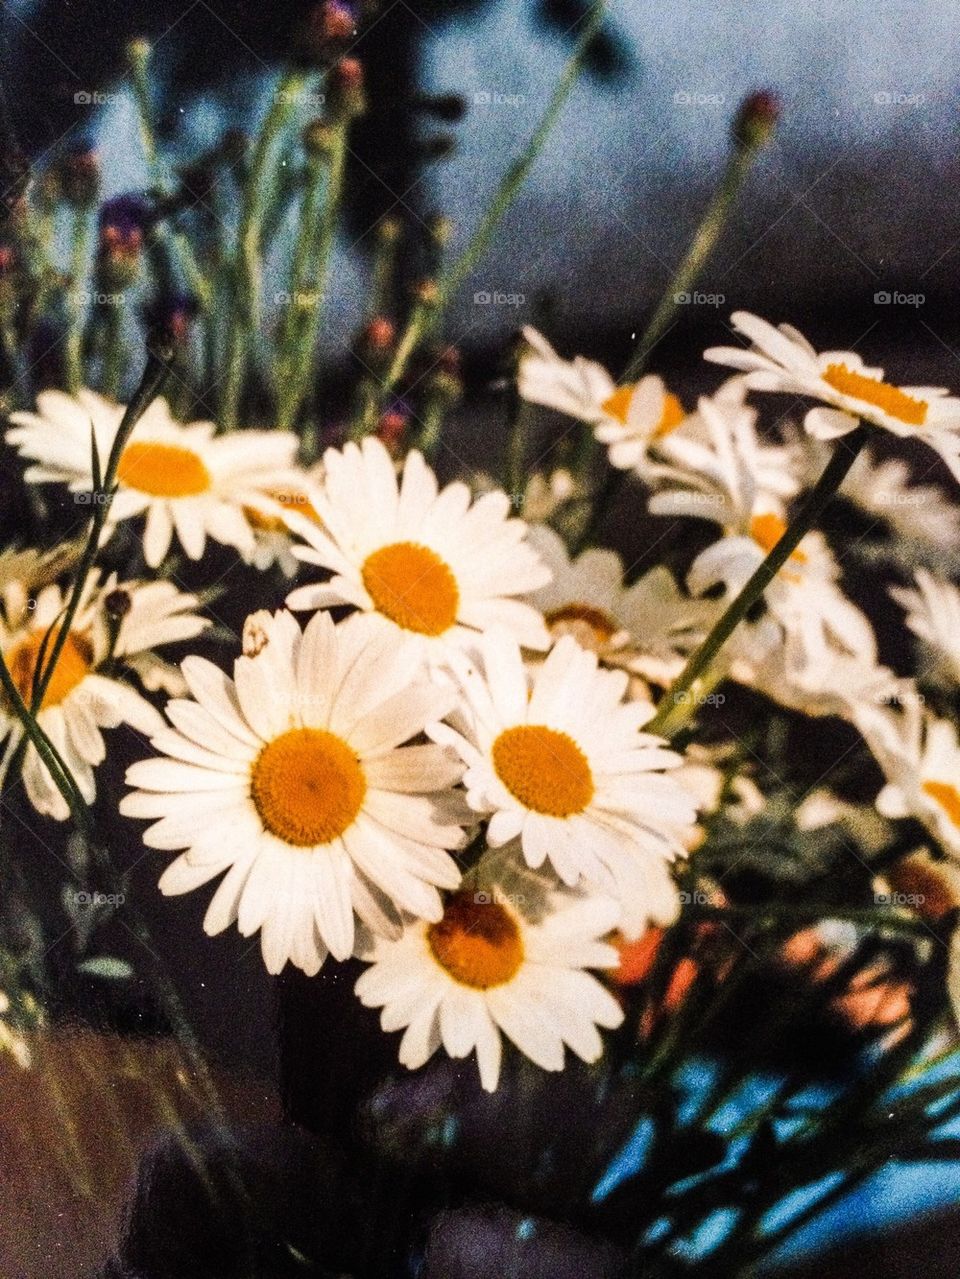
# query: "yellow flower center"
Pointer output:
{"type": "Point", "coordinates": [947, 796]}
{"type": "Point", "coordinates": [767, 530]}
{"type": "Point", "coordinates": [477, 941]}
{"type": "Point", "coordinates": [74, 663]}
{"type": "Point", "coordinates": [308, 787]}
{"type": "Point", "coordinates": [264, 522]}
{"type": "Point", "coordinates": [162, 470]}
{"type": "Point", "coordinates": [412, 586]}
{"type": "Point", "coordinates": [617, 406]}
{"type": "Point", "coordinates": [590, 626]}
{"type": "Point", "coordinates": [889, 399]}
{"type": "Point", "coordinates": [544, 769]}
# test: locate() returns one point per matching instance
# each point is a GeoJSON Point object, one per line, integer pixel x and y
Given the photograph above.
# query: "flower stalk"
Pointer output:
{"type": "Point", "coordinates": [682, 698]}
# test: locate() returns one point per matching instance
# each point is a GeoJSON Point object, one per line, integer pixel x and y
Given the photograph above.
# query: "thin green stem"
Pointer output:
{"type": "Point", "coordinates": [245, 269]}
{"type": "Point", "coordinates": [424, 314]}
{"type": "Point", "coordinates": [79, 263]}
{"type": "Point", "coordinates": [680, 286]}
{"type": "Point", "coordinates": [682, 698]}
{"type": "Point", "coordinates": [317, 248]}
{"type": "Point", "coordinates": [154, 375]}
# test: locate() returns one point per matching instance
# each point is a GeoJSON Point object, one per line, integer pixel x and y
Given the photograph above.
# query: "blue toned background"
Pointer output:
{"type": "Point", "coordinates": [856, 198]}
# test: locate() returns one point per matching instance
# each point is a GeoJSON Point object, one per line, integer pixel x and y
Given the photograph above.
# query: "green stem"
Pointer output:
{"type": "Point", "coordinates": [680, 700]}
{"type": "Point", "coordinates": [58, 770]}
{"type": "Point", "coordinates": [424, 314]}
{"type": "Point", "coordinates": [681, 283]}
{"type": "Point", "coordinates": [79, 261]}
{"type": "Point", "coordinates": [245, 268]}
{"type": "Point", "coordinates": [154, 375]}
{"type": "Point", "coordinates": [516, 459]}
{"type": "Point", "coordinates": [113, 349]}
{"type": "Point", "coordinates": [316, 250]}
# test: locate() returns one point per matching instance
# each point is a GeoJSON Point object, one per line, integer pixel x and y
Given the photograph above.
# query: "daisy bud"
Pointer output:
{"type": "Point", "coordinates": [138, 54]}
{"type": "Point", "coordinates": [393, 424]}
{"type": "Point", "coordinates": [756, 120]}
{"type": "Point", "coordinates": [346, 94]}
{"type": "Point", "coordinates": [117, 604]}
{"type": "Point", "coordinates": [376, 339]}
{"type": "Point", "coordinates": [328, 28]}
{"type": "Point", "coordinates": [426, 293]}
{"type": "Point", "coordinates": [389, 231]}
{"type": "Point", "coordinates": [79, 176]}
{"type": "Point", "coordinates": [318, 139]}
{"type": "Point", "coordinates": [441, 230]}
{"type": "Point", "coordinates": [123, 222]}
{"type": "Point", "coordinates": [170, 318]}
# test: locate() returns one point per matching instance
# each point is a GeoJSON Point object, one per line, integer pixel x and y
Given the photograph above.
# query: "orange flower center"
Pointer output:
{"type": "Point", "coordinates": [888, 399]}
{"type": "Point", "coordinates": [264, 522]}
{"type": "Point", "coordinates": [590, 626]}
{"type": "Point", "coordinates": [477, 941]}
{"type": "Point", "coordinates": [618, 404]}
{"type": "Point", "coordinates": [162, 470]}
{"type": "Point", "coordinates": [947, 796]}
{"type": "Point", "coordinates": [412, 586]}
{"type": "Point", "coordinates": [544, 769]}
{"type": "Point", "coordinates": [308, 787]}
{"type": "Point", "coordinates": [767, 530]}
{"type": "Point", "coordinates": [74, 663]}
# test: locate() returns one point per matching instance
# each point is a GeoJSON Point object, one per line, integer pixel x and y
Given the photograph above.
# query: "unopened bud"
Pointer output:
{"type": "Point", "coordinates": [79, 177]}
{"type": "Point", "coordinates": [393, 424]}
{"type": "Point", "coordinates": [326, 31]}
{"type": "Point", "coordinates": [756, 120]}
{"type": "Point", "coordinates": [138, 54]}
{"type": "Point", "coordinates": [389, 230]}
{"type": "Point", "coordinates": [377, 338]}
{"type": "Point", "coordinates": [426, 293]}
{"type": "Point", "coordinates": [346, 94]}
{"type": "Point", "coordinates": [319, 139]}
{"type": "Point", "coordinates": [118, 603]}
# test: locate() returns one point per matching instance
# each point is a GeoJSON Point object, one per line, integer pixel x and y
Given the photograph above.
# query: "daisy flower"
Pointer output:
{"type": "Point", "coordinates": [293, 778]}
{"type": "Point", "coordinates": [920, 757]}
{"type": "Point", "coordinates": [116, 624]}
{"type": "Point", "coordinates": [648, 627]}
{"type": "Point", "coordinates": [266, 514]}
{"type": "Point", "coordinates": [182, 478]}
{"type": "Point", "coordinates": [500, 961]}
{"type": "Point", "coordinates": [781, 359]}
{"type": "Point", "coordinates": [885, 488]}
{"type": "Point", "coordinates": [436, 567]}
{"type": "Point", "coordinates": [564, 765]}
{"type": "Point", "coordinates": [630, 418]}
{"type": "Point", "coordinates": [933, 614]}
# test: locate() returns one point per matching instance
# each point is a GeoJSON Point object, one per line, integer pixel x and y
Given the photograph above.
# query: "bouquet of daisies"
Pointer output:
{"type": "Point", "coordinates": [422, 725]}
